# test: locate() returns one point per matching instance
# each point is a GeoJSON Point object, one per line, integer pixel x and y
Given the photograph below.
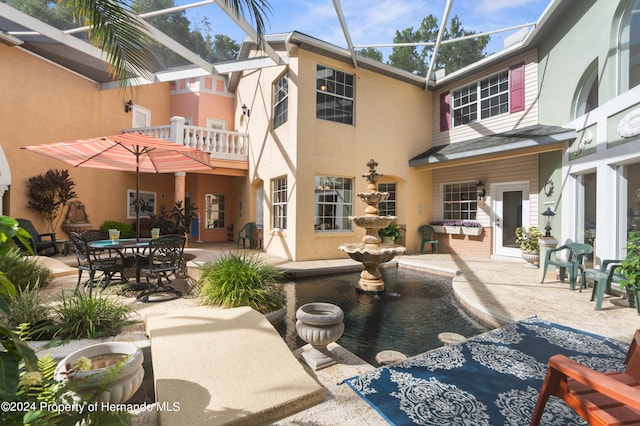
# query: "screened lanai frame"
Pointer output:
{"type": "Point", "coordinates": [68, 49]}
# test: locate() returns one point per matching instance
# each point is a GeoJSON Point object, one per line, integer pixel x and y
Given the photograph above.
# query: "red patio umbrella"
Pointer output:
{"type": "Point", "coordinates": [132, 152]}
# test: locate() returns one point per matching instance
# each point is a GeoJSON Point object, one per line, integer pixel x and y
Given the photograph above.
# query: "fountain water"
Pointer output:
{"type": "Point", "coordinates": [371, 252]}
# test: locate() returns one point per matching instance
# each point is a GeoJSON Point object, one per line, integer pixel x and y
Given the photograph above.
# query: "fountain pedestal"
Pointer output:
{"type": "Point", "coordinates": [371, 252]}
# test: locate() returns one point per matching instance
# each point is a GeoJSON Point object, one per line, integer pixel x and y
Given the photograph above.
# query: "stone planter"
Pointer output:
{"type": "Point", "coordinates": [319, 324]}
{"type": "Point", "coordinates": [104, 356]}
{"type": "Point", "coordinates": [472, 230]}
{"type": "Point", "coordinates": [438, 228]}
{"type": "Point", "coordinates": [533, 259]}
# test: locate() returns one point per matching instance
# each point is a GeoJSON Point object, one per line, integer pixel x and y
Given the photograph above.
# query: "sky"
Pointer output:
{"type": "Point", "coordinates": [372, 22]}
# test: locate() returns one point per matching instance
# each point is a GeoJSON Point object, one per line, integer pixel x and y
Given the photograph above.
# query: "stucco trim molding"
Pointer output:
{"type": "Point", "coordinates": [629, 125]}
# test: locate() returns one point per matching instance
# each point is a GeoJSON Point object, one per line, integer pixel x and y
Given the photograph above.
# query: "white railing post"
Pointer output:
{"type": "Point", "coordinates": [177, 130]}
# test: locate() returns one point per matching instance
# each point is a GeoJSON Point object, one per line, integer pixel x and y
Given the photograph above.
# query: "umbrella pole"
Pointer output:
{"type": "Point", "coordinates": [137, 198]}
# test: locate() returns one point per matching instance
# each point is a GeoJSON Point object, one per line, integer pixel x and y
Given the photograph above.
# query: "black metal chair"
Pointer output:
{"type": "Point", "coordinates": [92, 260]}
{"type": "Point", "coordinates": [163, 259]}
{"type": "Point", "coordinates": [45, 244]}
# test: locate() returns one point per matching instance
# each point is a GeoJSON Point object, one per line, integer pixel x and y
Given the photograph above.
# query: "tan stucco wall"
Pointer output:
{"type": "Point", "coordinates": [392, 124]}
{"type": "Point", "coordinates": [43, 103]}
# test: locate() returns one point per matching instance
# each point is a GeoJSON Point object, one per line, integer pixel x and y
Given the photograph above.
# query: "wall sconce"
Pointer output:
{"type": "Point", "coordinates": [246, 111]}
{"type": "Point", "coordinates": [481, 190]}
{"type": "Point", "coordinates": [548, 215]}
{"type": "Point", "coordinates": [128, 106]}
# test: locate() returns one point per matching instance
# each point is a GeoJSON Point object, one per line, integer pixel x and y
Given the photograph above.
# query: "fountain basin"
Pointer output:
{"type": "Point", "coordinates": [371, 256]}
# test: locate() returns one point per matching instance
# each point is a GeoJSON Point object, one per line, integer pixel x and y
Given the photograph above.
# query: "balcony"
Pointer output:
{"type": "Point", "coordinates": [221, 145]}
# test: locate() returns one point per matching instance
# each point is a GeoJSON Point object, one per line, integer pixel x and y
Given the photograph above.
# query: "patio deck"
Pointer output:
{"type": "Point", "coordinates": [498, 291]}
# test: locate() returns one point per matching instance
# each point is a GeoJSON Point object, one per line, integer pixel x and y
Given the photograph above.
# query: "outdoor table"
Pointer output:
{"type": "Point", "coordinates": [121, 246]}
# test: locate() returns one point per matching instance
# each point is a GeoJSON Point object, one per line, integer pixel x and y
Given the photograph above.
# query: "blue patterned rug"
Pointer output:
{"type": "Point", "coordinates": [491, 379]}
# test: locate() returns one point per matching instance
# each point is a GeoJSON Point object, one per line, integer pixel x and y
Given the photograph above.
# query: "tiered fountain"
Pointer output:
{"type": "Point", "coordinates": [371, 252]}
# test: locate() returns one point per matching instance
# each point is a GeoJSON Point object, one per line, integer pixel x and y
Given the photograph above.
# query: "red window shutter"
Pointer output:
{"type": "Point", "coordinates": [445, 112]}
{"type": "Point", "coordinates": [516, 88]}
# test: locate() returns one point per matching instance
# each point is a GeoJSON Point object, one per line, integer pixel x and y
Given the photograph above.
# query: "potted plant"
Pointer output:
{"type": "Point", "coordinates": [438, 226]}
{"type": "Point", "coordinates": [527, 239]}
{"type": "Point", "coordinates": [49, 193]}
{"type": "Point", "coordinates": [391, 232]}
{"type": "Point", "coordinates": [631, 269]}
{"type": "Point", "coordinates": [470, 227]}
{"type": "Point", "coordinates": [452, 227]}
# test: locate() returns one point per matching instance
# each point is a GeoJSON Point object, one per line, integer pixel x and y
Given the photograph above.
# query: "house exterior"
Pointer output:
{"type": "Point", "coordinates": [547, 123]}
{"type": "Point", "coordinates": [591, 85]}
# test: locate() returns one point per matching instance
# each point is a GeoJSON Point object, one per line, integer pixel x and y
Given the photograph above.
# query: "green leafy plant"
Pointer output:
{"type": "Point", "coordinates": [527, 239]}
{"type": "Point", "coordinates": [631, 264]}
{"type": "Point", "coordinates": [29, 307]}
{"type": "Point", "coordinates": [235, 280]}
{"type": "Point", "coordinates": [175, 221]}
{"type": "Point", "coordinates": [391, 231]}
{"type": "Point", "coordinates": [81, 316]}
{"type": "Point", "coordinates": [126, 230]}
{"type": "Point", "coordinates": [48, 194]}
{"type": "Point", "coordinates": [23, 271]}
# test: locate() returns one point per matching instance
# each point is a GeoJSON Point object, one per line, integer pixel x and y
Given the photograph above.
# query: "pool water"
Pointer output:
{"type": "Point", "coordinates": [407, 317]}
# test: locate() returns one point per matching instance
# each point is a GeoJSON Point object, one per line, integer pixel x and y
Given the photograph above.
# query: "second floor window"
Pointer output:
{"type": "Point", "coordinates": [281, 101]}
{"type": "Point", "coordinates": [489, 96]}
{"type": "Point", "coordinates": [460, 201]}
{"type": "Point", "coordinates": [279, 201]}
{"type": "Point", "coordinates": [334, 95]}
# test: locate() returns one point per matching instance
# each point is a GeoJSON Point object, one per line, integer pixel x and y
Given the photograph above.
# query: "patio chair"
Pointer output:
{"type": "Point", "coordinates": [428, 235]}
{"type": "Point", "coordinates": [45, 244]}
{"type": "Point", "coordinates": [248, 233]}
{"type": "Point", "coordinates": [602, 278]}
{"type": "Point", "coordinates": [575, 253]}
{"type": "Point", "coordinates": [599, 398]}
{"type": "Point", "coordinates": [92, 260]}
{"type": "Point", "coordinates": [163, 259]}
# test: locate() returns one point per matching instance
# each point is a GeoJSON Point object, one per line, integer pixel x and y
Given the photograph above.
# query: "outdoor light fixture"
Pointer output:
{"type": "Point", "coordinates": [128, 106]}
{"type": "Point", "coordinates": [246, 111]}
{"type": "Point", "coordinates": [548, 215]}
{"type": "Point", "coordinates": [481, 190]}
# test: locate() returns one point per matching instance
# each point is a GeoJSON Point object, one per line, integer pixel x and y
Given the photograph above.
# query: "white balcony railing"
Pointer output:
{"type": "Point", "coordinates": [220, 144]}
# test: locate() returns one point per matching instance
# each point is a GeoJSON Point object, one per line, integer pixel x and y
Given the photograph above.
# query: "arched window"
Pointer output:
{"type": "Point", "coordinates": [587, 93]}
{"type": "Point", "coordinates": [629, 47]}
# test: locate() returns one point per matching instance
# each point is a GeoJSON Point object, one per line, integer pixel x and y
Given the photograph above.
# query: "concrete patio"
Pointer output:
{"type": "Point", "coordinates": [498, 291]}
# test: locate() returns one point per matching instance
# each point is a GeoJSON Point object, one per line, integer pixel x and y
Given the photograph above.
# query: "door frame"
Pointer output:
{"type": "Point", "coordinates": [497, 190]}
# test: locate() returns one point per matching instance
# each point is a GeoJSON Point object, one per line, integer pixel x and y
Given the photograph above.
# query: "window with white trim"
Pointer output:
{"type": "Point", "coordinates": [279, 202]}
{"type": "Point", "coordinates": [214, 211]}
{"type": "Point", "coordinates": [333, 203]}
{"type": "Point", "coordinates": [629, 47]}
{"type": "Point", "coordinates": [281, 101]}
{"type": "Point", "coordinates": [334, 95]}
{"type": "Point", "coordinates": [460, 200]}
{"type": "Point", "coordinates": [388, 206]}
{"type": "Point", "coordinates": [489, 96]}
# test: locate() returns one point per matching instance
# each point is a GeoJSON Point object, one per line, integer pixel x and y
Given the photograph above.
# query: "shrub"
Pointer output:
{"type": "Point", "coordinates": [527, 239]}
{"type": "Point", "coordinates": [28, 307]}
{"type": "Point", "coordinates": [23, 272]}
{"type": "Point", "coordinates": [126, 229]}
{"type": "Point", "coordinates": [81, 316]}
{"type": "Point", "coordinates": [235, 280]}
